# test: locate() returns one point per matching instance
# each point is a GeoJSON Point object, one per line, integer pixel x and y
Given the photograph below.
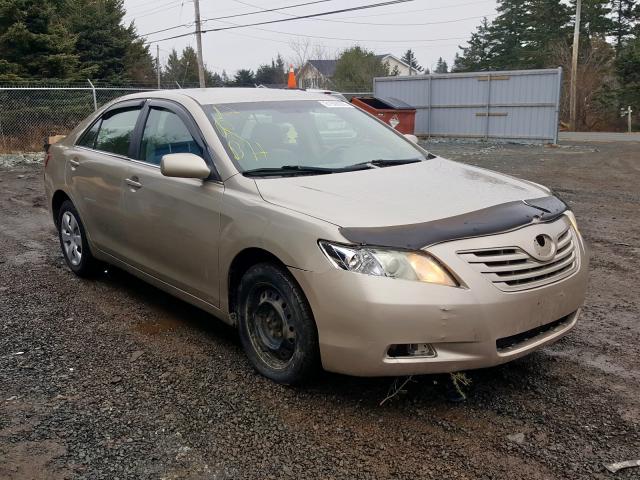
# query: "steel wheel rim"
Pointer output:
{"type": "Point", "coordinates": [71, 238]}
{"type": "Point", "coordinates": [269, 326]}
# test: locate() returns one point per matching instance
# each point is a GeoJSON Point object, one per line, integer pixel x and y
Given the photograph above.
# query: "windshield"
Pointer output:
{"type": "Point", "coordinates": [320, 134]}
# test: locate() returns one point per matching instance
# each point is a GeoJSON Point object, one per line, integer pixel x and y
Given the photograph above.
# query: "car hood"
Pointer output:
{"type": "Point", "coordinates": [396, 195]}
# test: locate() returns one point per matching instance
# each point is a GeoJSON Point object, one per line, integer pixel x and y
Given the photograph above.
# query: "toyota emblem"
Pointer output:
{"type": "Point", "coordinates": [544, 247]}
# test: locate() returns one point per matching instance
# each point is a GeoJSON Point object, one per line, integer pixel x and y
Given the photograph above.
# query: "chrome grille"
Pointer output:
{"type": "Point", "coordinates": [512, 269]}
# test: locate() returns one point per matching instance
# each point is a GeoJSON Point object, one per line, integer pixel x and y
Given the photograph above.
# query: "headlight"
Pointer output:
{"type": "Point", "coordinates": [572, 219]}
{"type": "Point", "coordinates": [381, 262]}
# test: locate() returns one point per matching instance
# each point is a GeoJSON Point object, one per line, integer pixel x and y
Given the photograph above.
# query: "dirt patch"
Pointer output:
{"type": "Point", "coordinates": [32, 461]}
{"type": "Point", "coordinates": [117, 379]}
{"type": "Point", "coordinates": [158, 325]}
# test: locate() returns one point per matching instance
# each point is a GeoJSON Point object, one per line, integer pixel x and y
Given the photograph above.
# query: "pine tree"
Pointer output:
{"type": "Point", "coordinates": [183, 69]}
{"type": "Point", "coordinates": [478, 54]}
{"type": "Point", "coordinates": [244, 78]}
{"type": "Point", "coordinates": [509, 33]}
{"type": "Point", "coordinates": [271, 74]}
{"type": "Point", "coordinates": [108, 50]}
{"type": "Point", "coordinates": [549, 24]}
{"type": "Point", "coordinates": [173, 69]}
{"type": "Point", "coordinates": [139, 65]}
{"type": "Point", "coordinates": [34, 42]}
{"type": "Point", "coordinates": [456, 62]}
{"type": "Point", "coordinates": [522, 36]}
{"type": "Point", "coordinates": [628, 70]}
{"type": "Point", "coordinates": [410, 59]}
{"type": "Point", "coordinates": [441, 66]}
{"type": "Point", "coordinates": [625, 15]}
{"type": "Point", "coordinates": [189, 61]}
{"type": "Point", "coordinates": [215, 80]}
{"type": "Point", "coordinates": [595, 21]}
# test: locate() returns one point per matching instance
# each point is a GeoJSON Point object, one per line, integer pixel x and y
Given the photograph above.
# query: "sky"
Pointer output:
{"type": "Point", "coordinates": [431, 28]}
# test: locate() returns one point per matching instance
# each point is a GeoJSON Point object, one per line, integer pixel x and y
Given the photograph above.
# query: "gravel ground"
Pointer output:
{"type": "Point", "coordinates": [113, 379]}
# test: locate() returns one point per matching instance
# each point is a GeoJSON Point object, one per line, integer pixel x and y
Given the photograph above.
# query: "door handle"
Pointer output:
{"type": "Point", "coordinates": [132, 183]}
{"type": "Point", "coordinates": [74, 163]}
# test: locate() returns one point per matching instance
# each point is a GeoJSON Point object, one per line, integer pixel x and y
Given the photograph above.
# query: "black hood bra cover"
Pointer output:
{"type": "Point", "coordinates": [487, 221]}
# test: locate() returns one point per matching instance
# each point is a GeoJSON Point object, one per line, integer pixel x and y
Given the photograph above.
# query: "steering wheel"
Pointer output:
{"type": "Point", "coordinates": [332, 154]}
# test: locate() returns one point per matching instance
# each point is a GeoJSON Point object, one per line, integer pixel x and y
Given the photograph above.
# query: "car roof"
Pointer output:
{"type": "Point", "coordinates": [206, 96]}
{"type": "Point", "coordinates": [320, 90]}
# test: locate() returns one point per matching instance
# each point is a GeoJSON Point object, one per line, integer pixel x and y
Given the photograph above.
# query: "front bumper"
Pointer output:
{"type": "Point", "coordinates": [359, 317]}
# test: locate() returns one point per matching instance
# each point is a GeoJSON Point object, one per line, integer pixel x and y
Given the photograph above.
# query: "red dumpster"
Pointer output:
{"type": "Point", "coordinates": [392, 111]}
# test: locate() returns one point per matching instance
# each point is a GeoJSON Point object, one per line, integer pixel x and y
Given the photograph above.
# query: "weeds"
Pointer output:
{"type": "Point", "coordinates": [397, 388]}
{"type": "Point", "coordinates": [460, 381]}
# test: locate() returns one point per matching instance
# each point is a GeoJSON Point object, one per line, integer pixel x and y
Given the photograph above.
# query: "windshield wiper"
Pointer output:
{"type": "Point", "coordinates": [383, 162]}
{"type": "Point", "coordinates": [301, 170]}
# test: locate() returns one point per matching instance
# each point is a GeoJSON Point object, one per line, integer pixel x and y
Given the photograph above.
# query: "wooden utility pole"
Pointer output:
{"type": "Point", "coordinates": [196, 3]}
{"type": "Point", "coordinates": [158, 64]}
{"type": "Point", "coordinates": [573, 106]}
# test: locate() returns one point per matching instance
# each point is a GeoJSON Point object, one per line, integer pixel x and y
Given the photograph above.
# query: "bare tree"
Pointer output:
{"type": "Point", "coordinates": [322, 52]}
{"type": "Point", "coordinates": [596, 80]}
{"type": "Point", "coordinates": [304, 50]}
{"type": "Point", "coordinates": [301, 48]}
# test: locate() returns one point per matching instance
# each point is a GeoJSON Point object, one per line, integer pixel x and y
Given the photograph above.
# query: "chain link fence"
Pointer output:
{"type": "Point", "coordinates": [29, 113]}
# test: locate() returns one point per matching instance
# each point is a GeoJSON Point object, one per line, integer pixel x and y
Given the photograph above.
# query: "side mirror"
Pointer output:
{"type": "Point", "coordinates": [184, 165]}
{"type": "Point", "coordinates": [411, 137]}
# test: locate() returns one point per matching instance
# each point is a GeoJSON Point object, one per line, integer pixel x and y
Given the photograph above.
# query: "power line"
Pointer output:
{"type": "Point", "coordinates": [157, 8]}
{"type": "Point", "coordinates": [378, 24]}
{"type": "Point", "coordinates": [313, 15]}
{"type": "Point", "coordinates": [403, 12]}
{"type": "Point", "coordinates": [144, 6]}
{"type": "Point", "coordinates": [372, 40]}
{"type": "Point", "coordinates": [408, 42]}
{"type": "Point", "coordinates": [239, 15]}
{"type": "Point", "coordinates": [155, 12]}
{"type": "Point", "coordinates": [338, 20]}
{"type": "Point", "coordinates": [414, 24]}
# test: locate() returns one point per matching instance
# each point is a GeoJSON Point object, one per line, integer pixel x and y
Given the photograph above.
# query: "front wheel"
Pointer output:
{"type": "Point", "coordinates": [73, 241]}
{"type": "Point", "coordinates": [276, 325]}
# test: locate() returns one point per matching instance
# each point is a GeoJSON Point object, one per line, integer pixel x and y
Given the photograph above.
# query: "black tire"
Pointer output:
{"type": "Point", "coordinates": [82, 262]}
{"type": "Point", "coordinates": [270, 301]}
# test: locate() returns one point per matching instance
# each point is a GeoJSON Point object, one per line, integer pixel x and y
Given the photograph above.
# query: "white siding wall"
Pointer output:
{"type": "Point", "coordinates": [392, 62]}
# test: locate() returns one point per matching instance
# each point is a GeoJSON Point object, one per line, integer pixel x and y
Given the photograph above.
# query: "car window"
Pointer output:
{"type": "Point", "coordinates": [166, 133]}
{"type": "Point", "coordinates": [88, 139]}
{"type": "Point", "coordinates": [115, 131]}
{"type": "Point", "coordinates": [308, 133]}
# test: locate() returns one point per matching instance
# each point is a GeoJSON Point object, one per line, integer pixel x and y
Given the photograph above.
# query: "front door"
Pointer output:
{"type": "Point", "coordinates": [173, 223]}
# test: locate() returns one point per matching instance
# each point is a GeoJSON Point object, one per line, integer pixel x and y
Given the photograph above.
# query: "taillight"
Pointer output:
{"type": "Point", "coordinates": [47, 157]}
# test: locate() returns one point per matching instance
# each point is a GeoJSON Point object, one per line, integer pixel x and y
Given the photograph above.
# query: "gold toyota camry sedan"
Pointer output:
{"type": "Point", "coordinates": [326, 237]}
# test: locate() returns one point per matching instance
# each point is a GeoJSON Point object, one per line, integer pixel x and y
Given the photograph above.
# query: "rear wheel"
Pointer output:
{"type": "Point", "coordinates": [73, 241]}
{"type": "Point", "coordinates": [276, 326]}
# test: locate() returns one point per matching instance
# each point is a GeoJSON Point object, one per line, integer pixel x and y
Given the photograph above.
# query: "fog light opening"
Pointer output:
{"type": "Point", "coordinates": [412, 350]}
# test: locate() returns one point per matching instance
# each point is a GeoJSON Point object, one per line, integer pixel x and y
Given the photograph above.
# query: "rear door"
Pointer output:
{"type": "Point", "coordinates": [96, 170]}
{"type": "Point", "coordinates": [173, 223]}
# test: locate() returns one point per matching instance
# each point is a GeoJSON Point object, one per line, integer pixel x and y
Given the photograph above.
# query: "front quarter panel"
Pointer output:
{"type": "Point", "coordinates": [248, 221]}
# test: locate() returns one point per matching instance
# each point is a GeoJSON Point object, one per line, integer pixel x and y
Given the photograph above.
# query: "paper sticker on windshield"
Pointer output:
{"type": "Point", "coordinates": [335, 104]}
